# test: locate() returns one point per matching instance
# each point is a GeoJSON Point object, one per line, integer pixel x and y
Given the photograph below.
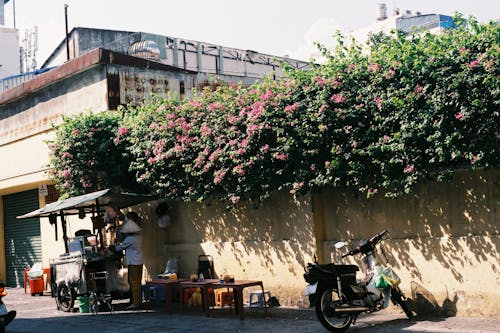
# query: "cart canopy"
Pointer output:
{"type": "Point", "coordinates": [89, 202]}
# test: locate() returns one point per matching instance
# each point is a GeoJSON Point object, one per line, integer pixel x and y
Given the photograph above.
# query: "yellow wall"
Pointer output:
{"type": "Point", "coordinates": [444, 239]}
{"type": "Point", "coordinates": [272, 242]}
{"type": "Point", "coordinates": [443, 243]}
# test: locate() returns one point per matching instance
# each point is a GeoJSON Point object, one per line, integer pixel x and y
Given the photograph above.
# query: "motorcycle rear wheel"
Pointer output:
{"type": "Point", "coordinates": [327, 300]}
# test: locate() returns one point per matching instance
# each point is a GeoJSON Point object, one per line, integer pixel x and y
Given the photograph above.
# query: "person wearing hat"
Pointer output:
{"type": "Point", "coordinates": [132, 244]}
{"type": "Point", "coordinates": [5, 316]}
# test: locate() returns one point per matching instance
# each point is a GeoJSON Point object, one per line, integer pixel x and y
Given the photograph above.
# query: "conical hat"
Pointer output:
{"type": "Point", "coordinates": [130, 227]}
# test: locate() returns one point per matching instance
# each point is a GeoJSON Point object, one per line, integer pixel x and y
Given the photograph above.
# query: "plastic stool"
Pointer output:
{"type": "Point", "coordinates": [260, 298]}
{"type": "Point", "coordinates": [223, 297]}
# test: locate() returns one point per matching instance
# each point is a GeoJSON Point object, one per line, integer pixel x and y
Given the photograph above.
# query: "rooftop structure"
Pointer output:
{"type": "Point", "coordinates": [404, 21]}
{"type": "Point", "coordinates": [179, 53]}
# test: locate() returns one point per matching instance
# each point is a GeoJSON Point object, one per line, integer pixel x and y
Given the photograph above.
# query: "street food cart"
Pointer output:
{"type": "Point", "coordinates": [87, 268]}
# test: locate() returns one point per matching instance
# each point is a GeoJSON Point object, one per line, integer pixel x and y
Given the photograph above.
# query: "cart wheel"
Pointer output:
{"type": "Point", "coordinates": [65, 297]}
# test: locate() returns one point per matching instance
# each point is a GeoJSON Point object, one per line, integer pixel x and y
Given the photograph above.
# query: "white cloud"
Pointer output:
{"type": "Point", "coordinates": [322, 31]}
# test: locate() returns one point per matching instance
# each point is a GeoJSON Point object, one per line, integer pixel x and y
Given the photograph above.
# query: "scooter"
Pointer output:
{"type": "Point", "coordinates": [5, 316]}
{"type": "Point", "coordinates": [339, 298]}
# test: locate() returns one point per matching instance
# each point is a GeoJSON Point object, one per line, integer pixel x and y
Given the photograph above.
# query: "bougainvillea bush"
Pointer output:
{"type": "Point", "coordinates": [87, 154]}
{"type": "Point", "coordinates": [409, 110]}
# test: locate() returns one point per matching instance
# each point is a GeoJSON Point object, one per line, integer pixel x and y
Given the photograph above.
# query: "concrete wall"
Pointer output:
{"type": "Point", "coordinates": [25, 117]}
{"type": "Point", "coordinates": [443, 243]}
{"type": "Point", "coordinates": [272, 243]}
{"type": "Point", "coordinates": [444, 240]}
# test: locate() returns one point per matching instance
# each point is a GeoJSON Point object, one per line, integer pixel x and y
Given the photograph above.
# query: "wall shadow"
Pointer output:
{"type": "Point", "coordinates": [445, 235]}
{"type": "Point", "coordinates": [424, 304]}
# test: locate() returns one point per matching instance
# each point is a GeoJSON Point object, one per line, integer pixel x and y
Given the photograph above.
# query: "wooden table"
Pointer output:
{"type": "Point", "coordinates": [238, 287]}
{"type": "Point", "coordinates": [204, 286]}
{"type": "Point", "coordinates": [168, 290]}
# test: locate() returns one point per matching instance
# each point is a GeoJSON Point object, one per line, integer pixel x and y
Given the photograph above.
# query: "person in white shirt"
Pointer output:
{"type": "Point", "coordinates": [132, 244]}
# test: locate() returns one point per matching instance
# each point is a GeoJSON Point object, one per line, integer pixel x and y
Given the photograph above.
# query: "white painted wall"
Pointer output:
{"type": "Point", "coordinates": [9, 52]}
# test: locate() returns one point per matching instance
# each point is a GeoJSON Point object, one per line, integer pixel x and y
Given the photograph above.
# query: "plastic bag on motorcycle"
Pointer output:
{"type": "Point", "coordinates": [385, 277]}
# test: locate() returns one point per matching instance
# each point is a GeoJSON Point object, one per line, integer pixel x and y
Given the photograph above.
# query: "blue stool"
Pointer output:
{"type": "Point", "coordinates": [154, 293]}
{"type": "Point", "coordinates": [260, 297]}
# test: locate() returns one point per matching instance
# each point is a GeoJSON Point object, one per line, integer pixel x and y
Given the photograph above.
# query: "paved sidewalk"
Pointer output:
{"type": "Point", "coordinates": [39, 314]}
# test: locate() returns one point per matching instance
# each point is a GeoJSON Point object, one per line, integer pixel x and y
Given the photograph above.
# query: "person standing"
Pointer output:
{"type": "Point", "coordinates": [132, 244]}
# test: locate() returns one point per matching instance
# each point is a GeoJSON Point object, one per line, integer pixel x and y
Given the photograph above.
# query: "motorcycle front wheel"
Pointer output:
{"type": "Point", "coordinates": [399, 298]}
{"type": "Point", "coordinates": [65, 297]}
{"type": "Point", "coordinates": [327, 300]}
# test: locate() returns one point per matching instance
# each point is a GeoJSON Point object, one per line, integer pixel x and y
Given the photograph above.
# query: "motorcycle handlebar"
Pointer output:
{"type": "Point", "coordinates": [377, 238]}
{"type": "Point", "coordinates": [374, 240]}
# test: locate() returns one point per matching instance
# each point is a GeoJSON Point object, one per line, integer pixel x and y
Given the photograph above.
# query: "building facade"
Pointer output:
{"type": "Point", "coordinates": [92, 79]}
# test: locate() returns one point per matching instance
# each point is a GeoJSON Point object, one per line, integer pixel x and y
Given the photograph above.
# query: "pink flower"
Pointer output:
{"type": "Point", "coordinates": [151, 160]}
{"type": "Point", "coordinates": [86, 183]}
{"type": "Point", "coordinates": [252, 128]}
{"type": "Point", "coordinates": [390, 73]}
{"type": "Point", "coordinates": [319, 80]}
{"type": "Point", "coordinates": [281, 157]}
{"type": "Point", "coordinates": [235, 199]}
{"type": "Point", "coordinates": [66, 173]}
{"type": "Point", "coordinates": [385, 138]}
{"type": "Point", "coordinates": [374, 68]}
{"type": "Point", "coordinates": [159, 146]}
{"type": "Point", "coordinates": [214, 106]}
{"type": "Point", "coordinates": [338, 98]}
{"type": "Point", "coordinates": [232, 119]}
{"type": "Point", "coordinates": [76, 132]}
{"type": "Point", "coordinates": [267, 95]}
{"type": "Point", "coordinates": [193, 103]}
{"type": "Point", "coordinates": [238, 170]}
{"type": "Point", "coordinates": [205, 131]}
{"type": "Point", "coordinates": [473, 63]}
{"type": "Point", "coordinates": [459, 116]}
{"type": "Point", "coordinates": [409, 168]}
{"type": "Point", "coordinates": [218, 176]}
{"type": "Point", "coordinates": [177, 148]}
{"type": "Point", "coordinates": [122, 131]}
{"type": "Point", "coordinates": [292, 108]}
{"type": "Point", "coordinates": [215, 154]}
{"type": "Point", "coordinates": [265, 148]}
{"type": "Point", "coordinates": [418, 89]}
{"type": "Point", "coordinates": [378, 102]}
{"type": "Point", "coordinates": [66, 155]}
{"type": "Point", "coordinates": [475, 158]}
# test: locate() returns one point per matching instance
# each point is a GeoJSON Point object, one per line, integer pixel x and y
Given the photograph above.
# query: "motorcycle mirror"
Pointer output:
{"type": "Point", "coordinates": [339, 245]}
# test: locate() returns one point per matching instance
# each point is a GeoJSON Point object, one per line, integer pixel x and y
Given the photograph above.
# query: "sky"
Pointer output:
{"type": "Point", "coordinates": [275, 27]}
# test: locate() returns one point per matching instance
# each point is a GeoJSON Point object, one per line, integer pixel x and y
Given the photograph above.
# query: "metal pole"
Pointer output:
{"type": "Point", "coordinates": [14, 12]}
{"type": "Point", "coordinates": [67, 34]}
{"type": "Point", "coordinates": [65, 231]}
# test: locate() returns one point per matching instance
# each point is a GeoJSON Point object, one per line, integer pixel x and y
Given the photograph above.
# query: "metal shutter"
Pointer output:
{"type": "Point", "coordinates": [22, 237]}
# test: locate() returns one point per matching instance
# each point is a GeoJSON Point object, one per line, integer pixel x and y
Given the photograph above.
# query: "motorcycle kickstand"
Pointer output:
{"type": "Point", "coordinates": [354, 319]}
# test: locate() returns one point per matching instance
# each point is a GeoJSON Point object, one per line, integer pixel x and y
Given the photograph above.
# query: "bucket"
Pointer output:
{"type": "Point", "coordinates": [83, 304]}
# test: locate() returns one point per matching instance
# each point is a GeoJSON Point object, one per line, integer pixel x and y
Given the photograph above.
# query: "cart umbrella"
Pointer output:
{"type": "Point", "coordinates": [87, 203]}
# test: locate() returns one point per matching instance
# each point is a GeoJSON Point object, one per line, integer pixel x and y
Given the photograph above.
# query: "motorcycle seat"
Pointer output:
{"type": "Point", "coordinates": [338, 269]}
